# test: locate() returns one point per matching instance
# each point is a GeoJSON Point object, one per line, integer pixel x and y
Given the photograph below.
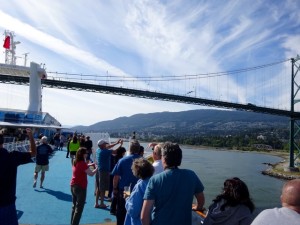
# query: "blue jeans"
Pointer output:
{"type": "Point", "coordinates": [78, 198]}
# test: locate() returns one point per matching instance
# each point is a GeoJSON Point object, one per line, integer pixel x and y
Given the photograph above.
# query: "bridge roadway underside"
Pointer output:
{"type": "Point", "coordinates": [59, 84]}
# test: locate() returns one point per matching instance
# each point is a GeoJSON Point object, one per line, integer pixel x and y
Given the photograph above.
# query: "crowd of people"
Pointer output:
{"type": "Point", "coordinates": [141, 192]}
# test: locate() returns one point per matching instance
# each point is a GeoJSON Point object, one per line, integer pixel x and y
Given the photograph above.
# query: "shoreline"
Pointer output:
{"type": "Point", "coordinates": [277, 170]}
{"type": "Point", "coordinates": [280, 169]}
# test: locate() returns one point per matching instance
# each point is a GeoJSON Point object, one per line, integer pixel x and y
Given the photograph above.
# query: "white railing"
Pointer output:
{"type": "Point", "coordinates": [21, 146]}
{"type": "Point", "coordinates": [95, 137]}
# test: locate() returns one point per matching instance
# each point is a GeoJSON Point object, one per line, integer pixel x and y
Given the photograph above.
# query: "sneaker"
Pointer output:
{"type": "Point", "coordinates": [34, 184]}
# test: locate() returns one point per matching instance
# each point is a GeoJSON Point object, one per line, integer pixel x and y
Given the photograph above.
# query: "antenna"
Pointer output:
{"type": "Point", "coordinates": [10, 47]}
{"type": "Point", "coordinates": [25, 58]}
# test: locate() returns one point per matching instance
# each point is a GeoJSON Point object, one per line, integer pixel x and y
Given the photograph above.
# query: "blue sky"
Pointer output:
{"type": "Point", "coordinates": [146, 38]}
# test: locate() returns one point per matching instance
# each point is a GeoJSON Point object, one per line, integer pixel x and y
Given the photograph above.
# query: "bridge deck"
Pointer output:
{"type": "Point", "coordinates": [52, 204]}
{"type": "Point", "coordinates": [51, 83]}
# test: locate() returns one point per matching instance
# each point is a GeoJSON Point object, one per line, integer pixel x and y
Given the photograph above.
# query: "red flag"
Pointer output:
{"type": "Point", "coordinates": [6, 42]}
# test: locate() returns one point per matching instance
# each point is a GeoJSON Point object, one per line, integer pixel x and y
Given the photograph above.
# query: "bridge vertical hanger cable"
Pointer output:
{"type": "Point", "coordinates": [285, 100]}
{"type": "Point", "coordinates": [237, 82]}
{"type": "Point", "coordinates": [185, 84]}
{"type": "Point", "coordinates": [264, 91]}
{"type": "Point", "coordinates": [227, 97]}
{"type": "Point", "coordinates": [219, 93]}
{"type": "Point", "coordinates": [209, 86]}
{"type": "Point", "coordinates": [276, 85]}
{"type": "Point", "coordinates": [255, 86]}
{"type": "Point", "coordinates": [246, 84]}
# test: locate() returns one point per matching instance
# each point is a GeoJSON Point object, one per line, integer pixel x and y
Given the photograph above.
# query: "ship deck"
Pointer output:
{"type": "Point", "coordinates": [52, 203]}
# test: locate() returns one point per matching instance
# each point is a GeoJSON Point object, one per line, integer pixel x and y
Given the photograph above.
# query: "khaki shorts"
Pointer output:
{"type": "Point", "coordinates": [42, 168]}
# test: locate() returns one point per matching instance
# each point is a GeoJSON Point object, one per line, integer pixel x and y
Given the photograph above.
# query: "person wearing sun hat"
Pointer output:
{"type": "Point", "coordinates": [103, 154]}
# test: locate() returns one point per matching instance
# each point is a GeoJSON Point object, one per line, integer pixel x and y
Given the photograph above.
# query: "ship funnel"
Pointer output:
{"type": "Point", "coordinates": [35, 88]}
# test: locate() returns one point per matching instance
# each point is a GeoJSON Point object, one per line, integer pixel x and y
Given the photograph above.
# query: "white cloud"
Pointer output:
{"type": "Point", "coordinates": [154, 39]}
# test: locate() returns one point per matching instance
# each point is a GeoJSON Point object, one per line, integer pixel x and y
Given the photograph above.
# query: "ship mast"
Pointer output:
{"type": "Point", "coordinates": [35, 72]}
{"type": "Point", "coordinates": [10, 47]}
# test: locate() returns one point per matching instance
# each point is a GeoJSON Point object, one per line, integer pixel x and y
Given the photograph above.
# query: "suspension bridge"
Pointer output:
{"type": "Point", "coordinates": [272, 88]}
{"type": "Point", "coordinates": [200, 89]}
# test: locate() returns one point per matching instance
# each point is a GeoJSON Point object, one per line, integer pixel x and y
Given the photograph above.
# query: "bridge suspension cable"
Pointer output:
{"type": "Point", "coordinates": [120, 78]}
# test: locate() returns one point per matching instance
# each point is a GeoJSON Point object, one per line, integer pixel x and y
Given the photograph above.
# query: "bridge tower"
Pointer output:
{"type": "Point", "coordinates": [294, 131]}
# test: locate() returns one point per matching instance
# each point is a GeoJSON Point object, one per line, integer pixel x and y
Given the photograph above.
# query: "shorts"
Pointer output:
{"type": "Point", "coordinates": [104, 181]}
{"type": "Point", "coordinates": [42, 168]}
{"type": "Point", "coordinates": [97, 179]}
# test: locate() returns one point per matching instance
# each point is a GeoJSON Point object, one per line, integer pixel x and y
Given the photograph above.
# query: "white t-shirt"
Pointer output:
{"type": "Point", "coordinates": [277, 216]}
{"type": "Point", "coordinates": [158, 167]}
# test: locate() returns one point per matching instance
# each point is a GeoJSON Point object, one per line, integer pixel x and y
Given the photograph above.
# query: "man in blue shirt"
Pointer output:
{"type": "Point", "coordinates": [103, 154]}
{"type": "Point", "coordinates": [123, 177]}
{"type": "Point", "coordinates": [42, 160]}
{"type": "Point", "coordinates": [169, 194]}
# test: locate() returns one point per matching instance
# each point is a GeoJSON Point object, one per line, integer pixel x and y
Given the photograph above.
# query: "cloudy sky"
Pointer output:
{"type": "Point", "coordinates": [142, 41]}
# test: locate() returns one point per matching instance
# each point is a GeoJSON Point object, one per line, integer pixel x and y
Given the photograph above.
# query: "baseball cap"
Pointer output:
{"type": "Point", "coordinates": [44, 139]}
{"type": "Point", "coordinates": [101, 142]}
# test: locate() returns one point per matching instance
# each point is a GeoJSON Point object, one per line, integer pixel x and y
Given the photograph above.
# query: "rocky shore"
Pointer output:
{"type": "Point", "coordinates": [281, 169]}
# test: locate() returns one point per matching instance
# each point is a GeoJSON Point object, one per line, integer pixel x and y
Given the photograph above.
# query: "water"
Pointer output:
{"type": "Point", "coordinates": [213, 167]}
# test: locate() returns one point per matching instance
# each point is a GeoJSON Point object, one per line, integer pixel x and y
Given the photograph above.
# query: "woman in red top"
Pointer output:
{"type": "Point", "coordinates": [79, 182]}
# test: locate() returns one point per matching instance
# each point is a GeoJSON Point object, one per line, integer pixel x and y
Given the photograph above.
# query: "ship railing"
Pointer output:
{"type": "Point", "coordinates": [21, 146]}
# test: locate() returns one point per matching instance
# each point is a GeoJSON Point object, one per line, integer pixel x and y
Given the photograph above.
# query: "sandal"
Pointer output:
{"type": "Point", "coordinates": [102, 206]}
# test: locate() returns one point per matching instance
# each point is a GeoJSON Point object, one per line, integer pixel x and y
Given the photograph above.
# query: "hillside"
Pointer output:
{"type": "Point", "coordinates": [204, 121]}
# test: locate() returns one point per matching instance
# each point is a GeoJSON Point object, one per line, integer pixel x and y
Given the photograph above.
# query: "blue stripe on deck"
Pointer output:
{"type": "Point", "coordinates": [52, 204]}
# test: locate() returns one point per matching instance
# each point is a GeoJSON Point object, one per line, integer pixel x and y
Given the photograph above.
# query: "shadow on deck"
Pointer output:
{"type": "Point", "coordinates": [52, 203]}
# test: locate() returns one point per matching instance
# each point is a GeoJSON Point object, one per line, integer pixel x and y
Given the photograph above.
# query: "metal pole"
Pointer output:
{"type": "Point", "coordinates": [292, 123]}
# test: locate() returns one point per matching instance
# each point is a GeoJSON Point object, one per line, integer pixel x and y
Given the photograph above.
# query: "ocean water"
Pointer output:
{"type": "Point", "coordinates": [213, 167]}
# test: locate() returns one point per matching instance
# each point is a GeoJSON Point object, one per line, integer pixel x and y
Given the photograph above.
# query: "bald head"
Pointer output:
{"type": "Point", "coordinates": [290, 196]}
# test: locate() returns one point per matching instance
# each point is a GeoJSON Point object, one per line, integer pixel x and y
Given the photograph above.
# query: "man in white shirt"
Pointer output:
{"type": "Point", "coordinates": [289, 213]}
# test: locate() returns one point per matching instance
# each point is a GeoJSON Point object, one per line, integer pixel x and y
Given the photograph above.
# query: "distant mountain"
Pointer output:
{"type": "Point", "coordinates": [204, 121]}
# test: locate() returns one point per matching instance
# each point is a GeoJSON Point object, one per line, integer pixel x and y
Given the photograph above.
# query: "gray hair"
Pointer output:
{"type": "Point", "coordinates": [134, 147]}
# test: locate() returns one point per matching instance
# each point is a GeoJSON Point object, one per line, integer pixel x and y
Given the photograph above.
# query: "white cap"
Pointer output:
{"type": "Point", "coordinates": [101, 142]}
{"type": "Point", "coordinates": [44, 139]}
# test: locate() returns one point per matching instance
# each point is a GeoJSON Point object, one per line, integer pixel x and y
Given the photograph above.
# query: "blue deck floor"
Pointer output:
{"type": "Point", "coordinates": [52, 204]}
